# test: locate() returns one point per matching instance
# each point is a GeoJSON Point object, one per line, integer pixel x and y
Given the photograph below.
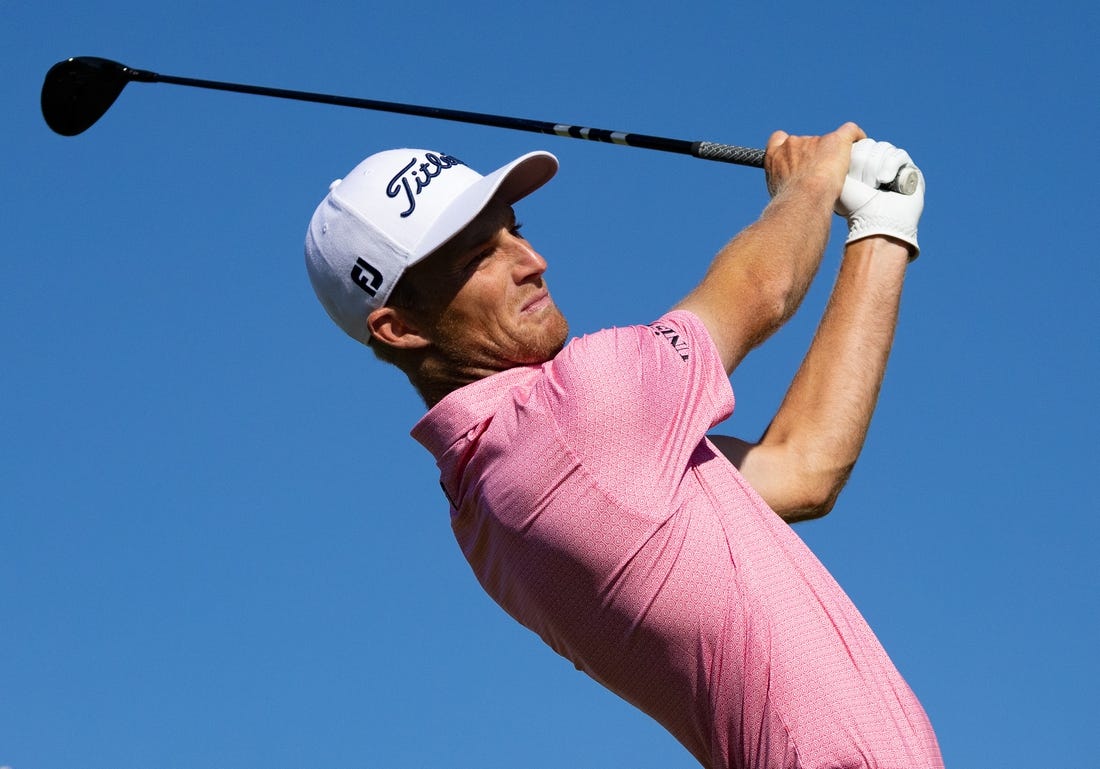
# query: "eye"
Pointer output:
{"type": "Point", "coordinates": [516, 230]}
{"type": "Point", "coordinates": [480, 257]}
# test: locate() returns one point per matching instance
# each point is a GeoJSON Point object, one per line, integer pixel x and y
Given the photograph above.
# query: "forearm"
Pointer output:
{"type": "Point", "coordinates": [757, 281]}
{"type": "Point", "coordinates": [824, 417]}
{"type": "Point", "coordinates": [807, 453]}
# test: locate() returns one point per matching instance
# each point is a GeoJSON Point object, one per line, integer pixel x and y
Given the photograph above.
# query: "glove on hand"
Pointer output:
{"type": "Point", "coordinates": [873, 211]}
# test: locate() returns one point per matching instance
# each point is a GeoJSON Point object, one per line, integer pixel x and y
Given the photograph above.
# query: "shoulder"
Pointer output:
{"type": "Point", "coordinates": [676, 338]}
{"type": "Point", "coordinates": [627, 371]}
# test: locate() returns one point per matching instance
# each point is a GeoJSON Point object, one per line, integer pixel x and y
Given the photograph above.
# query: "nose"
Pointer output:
{"type": "Point", "coordinates": [527, 262]}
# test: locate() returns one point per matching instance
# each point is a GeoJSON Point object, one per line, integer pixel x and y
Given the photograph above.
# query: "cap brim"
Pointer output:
{"type": "Point", "coordinates": [509, 183]}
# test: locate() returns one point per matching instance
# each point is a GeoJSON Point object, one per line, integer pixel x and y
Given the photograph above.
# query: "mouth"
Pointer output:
{"type": "Point", "coordinates": [537, 302]}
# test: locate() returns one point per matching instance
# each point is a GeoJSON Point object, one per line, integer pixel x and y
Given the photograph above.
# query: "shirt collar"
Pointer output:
{"type": "Point", "coordinates": [463, 409]}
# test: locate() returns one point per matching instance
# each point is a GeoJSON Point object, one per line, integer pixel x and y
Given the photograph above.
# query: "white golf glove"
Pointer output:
{"type": "Point", "coordinates": [873, 211]}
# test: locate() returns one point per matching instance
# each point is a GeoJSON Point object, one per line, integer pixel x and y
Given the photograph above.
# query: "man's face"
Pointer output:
{"type": "Point", "coordinates": [487, 305]}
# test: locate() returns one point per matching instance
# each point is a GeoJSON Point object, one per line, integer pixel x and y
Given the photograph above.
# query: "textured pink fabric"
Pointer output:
{"type": "Point", "coordinates": [593, 509]}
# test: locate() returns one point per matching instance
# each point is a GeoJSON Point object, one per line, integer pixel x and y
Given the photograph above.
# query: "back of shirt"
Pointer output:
{"type": "Point", "coordinates": [592, 508]}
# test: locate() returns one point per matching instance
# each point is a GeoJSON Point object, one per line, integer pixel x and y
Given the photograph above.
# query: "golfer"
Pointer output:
{"type": "Point", "coordinates": [584, 490]}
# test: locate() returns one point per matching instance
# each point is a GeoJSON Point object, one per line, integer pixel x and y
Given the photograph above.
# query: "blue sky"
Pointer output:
{"type": "Point", "coordinates": [222, 549]}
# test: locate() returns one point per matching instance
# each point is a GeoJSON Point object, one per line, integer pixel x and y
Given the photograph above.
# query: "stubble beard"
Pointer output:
{"type": "Point", "coordinates": [466, 353]}
{"type": "Point", "coordinates": [548, 342]}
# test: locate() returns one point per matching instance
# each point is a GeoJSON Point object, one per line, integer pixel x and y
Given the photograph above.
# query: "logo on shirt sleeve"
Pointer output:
{"type": "Point", "coordinates": [673, 337]}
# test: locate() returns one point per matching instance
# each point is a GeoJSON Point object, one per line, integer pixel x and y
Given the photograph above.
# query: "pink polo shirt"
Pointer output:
{"type": "Point", "coordinates": [593, 509]}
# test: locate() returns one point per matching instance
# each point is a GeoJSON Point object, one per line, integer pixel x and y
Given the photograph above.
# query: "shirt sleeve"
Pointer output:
{"type": "Point", "coordinates": [639, 399]}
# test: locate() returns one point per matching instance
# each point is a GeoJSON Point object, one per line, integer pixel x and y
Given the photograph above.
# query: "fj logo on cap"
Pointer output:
{"type": "Point", "coordinates": [366, 277]}
{"type": "Point", "coordinates": [420, 177]}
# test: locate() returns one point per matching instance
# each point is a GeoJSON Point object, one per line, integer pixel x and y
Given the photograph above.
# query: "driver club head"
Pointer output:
{"type": "Point", "coordinates": [77, 91]}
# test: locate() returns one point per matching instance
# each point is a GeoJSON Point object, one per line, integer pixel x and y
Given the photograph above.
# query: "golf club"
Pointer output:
{"type": "Point", "coordinates": [78, 91]}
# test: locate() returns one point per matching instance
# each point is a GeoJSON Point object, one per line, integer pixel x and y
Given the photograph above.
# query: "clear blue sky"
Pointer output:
{"type": "Point", "coordinates": [221, 548]}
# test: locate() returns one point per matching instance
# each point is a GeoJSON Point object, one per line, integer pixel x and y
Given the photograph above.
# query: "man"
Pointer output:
{"type": "Point", "coordinates": [584, 491]}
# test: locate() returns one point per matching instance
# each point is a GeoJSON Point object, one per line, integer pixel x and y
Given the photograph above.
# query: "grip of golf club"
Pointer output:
{"type": "Point", "coordinates": [729, 153]}
{"type": "Point", "coordinates": [905, 182]}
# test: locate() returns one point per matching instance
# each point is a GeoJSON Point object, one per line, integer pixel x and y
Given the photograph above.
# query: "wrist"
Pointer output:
{"type": "Point", "coordinates": [814, 192]}
{"type": "Point", "coordinates": [882, 248]}
{"type": "Point", "coordinates": [863, 225]}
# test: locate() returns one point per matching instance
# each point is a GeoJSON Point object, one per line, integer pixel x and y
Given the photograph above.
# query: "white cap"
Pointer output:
{"type": "Point", "coordinates": [394, 209]}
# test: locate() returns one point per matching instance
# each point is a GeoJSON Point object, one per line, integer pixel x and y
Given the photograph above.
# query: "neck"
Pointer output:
{"type": "Point", "coordinates": [435, 378]}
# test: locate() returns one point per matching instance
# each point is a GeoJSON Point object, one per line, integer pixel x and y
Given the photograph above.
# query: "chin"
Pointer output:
{"type": "Point", "coordinates": [544, 343]}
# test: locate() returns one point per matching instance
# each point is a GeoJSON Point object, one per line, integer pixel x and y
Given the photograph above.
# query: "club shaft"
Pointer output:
{"type": "Point", "coordinates": [77, 91]}
{"type": "Point", "coordinates": [726, 153]}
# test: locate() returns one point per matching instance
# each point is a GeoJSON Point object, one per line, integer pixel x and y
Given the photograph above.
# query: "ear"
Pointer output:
{"type": "Point", "coordinates": [396, 328]}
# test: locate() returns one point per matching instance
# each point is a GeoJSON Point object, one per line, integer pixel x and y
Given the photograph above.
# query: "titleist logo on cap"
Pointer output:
{"type": "Point", "coordinates": [419, 177]}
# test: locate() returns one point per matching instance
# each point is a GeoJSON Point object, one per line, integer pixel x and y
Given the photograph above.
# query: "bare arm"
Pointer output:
{"type": "Point", "coordinates": [758, 280]}
{"type": "Point", "coordinates": [807, 453]}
